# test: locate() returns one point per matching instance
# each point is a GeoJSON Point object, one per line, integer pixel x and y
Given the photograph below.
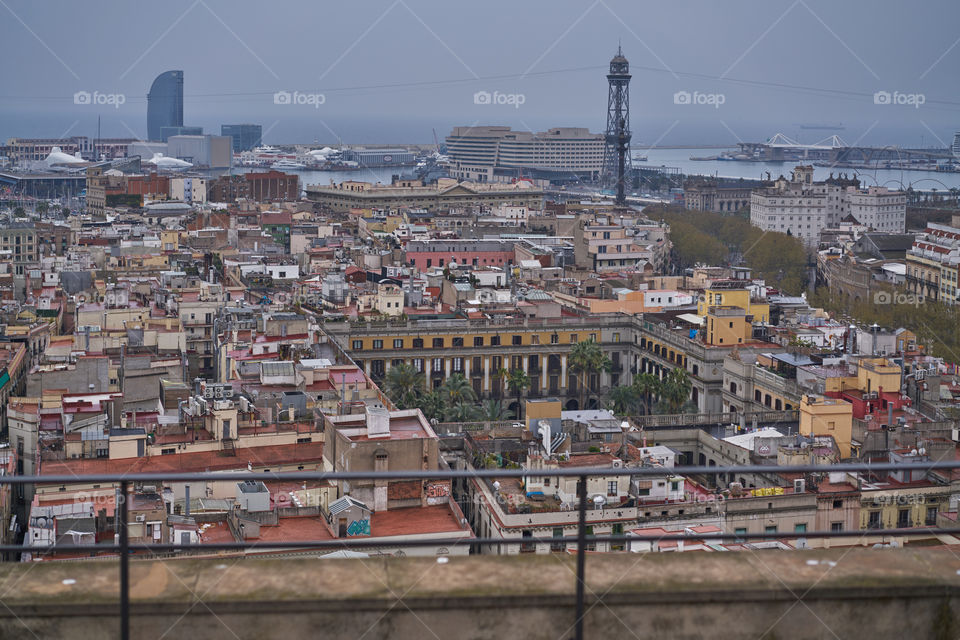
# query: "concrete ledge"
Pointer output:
{"type": "Point", "coordinates": [890, 593]}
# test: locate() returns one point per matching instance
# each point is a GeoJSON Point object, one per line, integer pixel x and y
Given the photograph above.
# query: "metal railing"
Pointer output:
{"type": "Point", "coordinates": [581, 540]}
{"type": "Point", "coordinates": [683, 419]}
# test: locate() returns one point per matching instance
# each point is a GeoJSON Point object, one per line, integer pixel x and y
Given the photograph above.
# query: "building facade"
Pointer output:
{"type": "Point", "coordinates": [445, 195]}
{"type": "Point", "coordinates": [932, 264]}
{"type": "Point", "coordinates": [245, 136]}
{"type": "Point", "coordinates": [720, 196]}
{"type": "Point", "coordinates": [481, 154]}
{"type": "Point", "coordinates": [803, 208]}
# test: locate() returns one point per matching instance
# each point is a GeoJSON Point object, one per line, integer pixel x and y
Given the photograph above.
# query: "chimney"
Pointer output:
{"type": "Point", "coordinates": [378, 422]}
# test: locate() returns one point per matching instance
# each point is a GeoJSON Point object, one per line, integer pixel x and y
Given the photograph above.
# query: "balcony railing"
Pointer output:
{"type": "Point", "coordinates": [584, 542]}
{"type": "Point", "coordinates": [682, 419]}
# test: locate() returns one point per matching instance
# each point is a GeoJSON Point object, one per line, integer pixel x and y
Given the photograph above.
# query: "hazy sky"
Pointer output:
{"type": "Point", "coordinates": [390, 70]}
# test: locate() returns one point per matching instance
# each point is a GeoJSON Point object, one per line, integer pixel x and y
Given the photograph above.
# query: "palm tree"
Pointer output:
{"type": "Point", "coordinates": [433, 404]}
{"type": "Point", "coordinates": [676, 389]}
{"type": "Point", "coordinates": [457, 389]}
{"type": "Point", "coordinates": [404, 384]}
{"type": "Point", "coordinates": [42, 208]}
{"type": "Point", "coordinates": [462, 412]}
{"type": "Point", "coordinates": [587, 358]}
{"type": "Point", "coordinates": [623, 400]}
{"type": "Point", "coordinates": [647, 386]}
{"type": "Point", "coordinates": [492, 410]}
{"type": "Point", "coordinates": [518, 380]}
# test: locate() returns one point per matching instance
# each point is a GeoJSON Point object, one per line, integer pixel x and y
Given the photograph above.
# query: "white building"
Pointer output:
{"type": "Point", "coordinates": [477, 153]}
{"type": "Point", "coordinates": [803, 208]}
{"type": "Point", "coordinates": [514, 213]}
{"type": "Point", "coordinates": [878, 208]}
{"type": "Point", "coordinates": [799, 207]}
{"type": "Point", "coordinates": [188, 189]}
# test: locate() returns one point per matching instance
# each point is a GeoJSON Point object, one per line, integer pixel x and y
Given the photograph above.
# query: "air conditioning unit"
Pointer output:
{"type": "Point", "coordinates": [141, 518]}
{"type": "Point", "coordinates": [799, 485]}
{"type": "Point", "coordinates": [208, 393]}
{"type": "Point", "coordinates": [617, 463]}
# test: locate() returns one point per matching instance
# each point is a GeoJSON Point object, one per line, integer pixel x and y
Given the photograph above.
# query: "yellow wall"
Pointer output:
{"type": "Point", "coordinates": [733, 298]}
{"type": "Point", "coordinates": [542, 409]}
{"type": "Point", "coordinates": [828, 417]}
{"type": "Point", "coordinates": [874, 374]}
{"type": "Point", "coordinates": [889, 502]}
{"type": "Point", "coordinates": [506, 334]}
{"type": "Point", "coordinates": [720, 332]}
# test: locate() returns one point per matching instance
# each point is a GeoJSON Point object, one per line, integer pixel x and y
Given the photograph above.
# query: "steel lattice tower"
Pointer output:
{"type": "Point", "coordinates": [616, 150]}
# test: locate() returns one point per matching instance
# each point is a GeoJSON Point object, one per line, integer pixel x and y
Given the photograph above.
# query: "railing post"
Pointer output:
{"type": "Point", "coordinates": [581, 555]}
{"type": "Point", "coordinates": [124, 564]}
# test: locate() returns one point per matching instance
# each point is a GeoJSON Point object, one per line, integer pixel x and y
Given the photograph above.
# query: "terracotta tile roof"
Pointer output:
{"type": "Point", "coordinates": [260, 457]}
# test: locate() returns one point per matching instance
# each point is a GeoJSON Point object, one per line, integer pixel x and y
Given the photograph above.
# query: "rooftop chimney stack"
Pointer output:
{"type": "Point", "coordinates": [378, 422]}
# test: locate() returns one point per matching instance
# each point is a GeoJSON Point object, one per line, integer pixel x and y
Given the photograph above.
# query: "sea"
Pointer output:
{"type": "Point", "coordinates": [680, 158]}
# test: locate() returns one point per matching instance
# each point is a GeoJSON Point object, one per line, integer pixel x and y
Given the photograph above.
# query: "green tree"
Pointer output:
{"type": "Point", "coordinates": [19, 212]}
{"type": "Point", "coordinates": [517, 381]}
{"type": "Point", "coordinates": [492, 410]}
{"type": "Point", "coordinates": [457, 389]}
{"type": "Point", "coordinates": [462, 412]}
{"type": "Point", "coordinates": [587, 358]}
{"type": "Point", "coordinates": [648, 386]}
{"type": "Point", "coordinates": [677, 387]}
{"type": "Point", "coordinates": [623, 400]}
{"type": "Point", "coordinates": [712, 238]}
{"type": "Point", "coordinates": [404, 384]}
{"type": "Point", "coordinates": [433, 404]}
{"type": "Point", "coordinates": [43, 207]}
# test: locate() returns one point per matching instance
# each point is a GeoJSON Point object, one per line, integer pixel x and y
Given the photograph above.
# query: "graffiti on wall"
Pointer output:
{"type": "Point", "coordinates": [437, 492]}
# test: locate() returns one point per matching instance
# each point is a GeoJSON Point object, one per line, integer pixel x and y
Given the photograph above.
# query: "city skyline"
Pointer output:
{"type": "Point", "coordinates": [763, 63]}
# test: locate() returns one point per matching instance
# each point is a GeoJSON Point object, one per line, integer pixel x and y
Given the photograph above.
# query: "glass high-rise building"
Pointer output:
{"type": "Point", "coordinates": [165, 103]}
{"type": "Point", "coordinates": [245, 136]}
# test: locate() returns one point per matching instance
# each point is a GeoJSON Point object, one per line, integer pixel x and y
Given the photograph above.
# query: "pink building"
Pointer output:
{"type": "Point", "coordinates": [425, 254]}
